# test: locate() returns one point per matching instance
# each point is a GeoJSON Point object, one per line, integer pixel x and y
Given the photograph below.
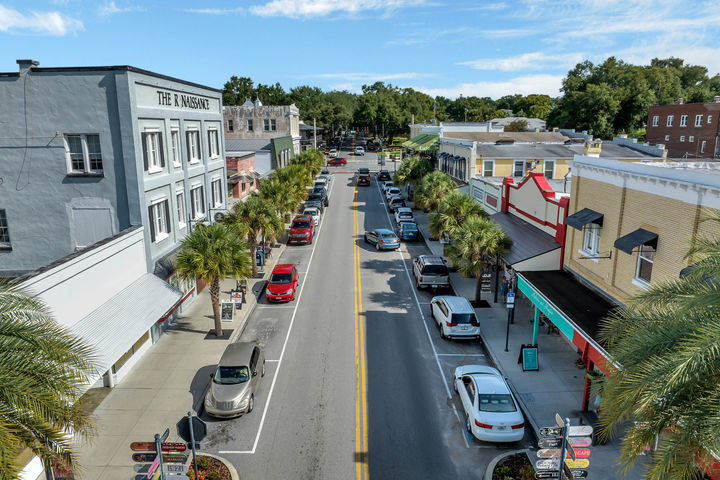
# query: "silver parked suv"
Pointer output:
{"type": "Point", "coordinates": [235, 380]}
{"type": "Point", "coordinates": [430, 271]}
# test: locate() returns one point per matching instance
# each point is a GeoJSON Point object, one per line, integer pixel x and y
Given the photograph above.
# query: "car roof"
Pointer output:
{"type": "Point", "coordinates": [490, 383]}
{"type": "Point", "coordinates": [395, 188]}
{"type": "Point", "coordinates": [458, 304]}
{"type": "Point", "coordinates": [432, 259]}
{"type": "Point", "coordinates": [413, 224]}
{"type": "Point", "coordinates": [384, 171]}
{"type": "Point", "coordinates": [313, 209]}
{"type": "Point", "coordinates": [404, 210]}
{"type": "Point", "coordinates": [237, 354]}
{"type": "Point", "coordinates": [302, 217]}
{"type": "Point", "coordinates": [384, 231]}
{"type": "Point", "coordinates": [283, 268]}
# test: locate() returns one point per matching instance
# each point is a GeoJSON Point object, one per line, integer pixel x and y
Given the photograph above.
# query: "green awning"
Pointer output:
{"type": "Point", "coordinates": [414, 141]}
{"type": "Point", "coordinates": [428, 144]}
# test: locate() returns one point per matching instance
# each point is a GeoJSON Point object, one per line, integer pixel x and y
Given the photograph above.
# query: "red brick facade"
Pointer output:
{"type": "Point", "coordinates": [693, 132]}
{"type": "Point", "coordinates": [242, 180]}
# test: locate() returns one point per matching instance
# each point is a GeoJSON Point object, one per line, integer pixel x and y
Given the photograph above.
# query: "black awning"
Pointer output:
{"type": "Point", "coordinates": [579, 219]}
{"type": "Point", "coordinates": [632, 240]}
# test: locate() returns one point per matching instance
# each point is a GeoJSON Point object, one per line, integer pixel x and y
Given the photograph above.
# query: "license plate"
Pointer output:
{"type": "Point", "coordinates": [464, 328]}
{"type": "Point", "coordinates": [501, 428]}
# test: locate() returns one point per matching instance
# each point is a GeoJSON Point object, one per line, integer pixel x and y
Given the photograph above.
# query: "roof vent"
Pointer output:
{"type": "Point", "coordinates": [27, 64]}
{"type": "Point", "coordinates": [716, 99]}
{"type": "Point", "coordinates": [679, 101]}
{"type": "Point", "coordinates": [505, 141]}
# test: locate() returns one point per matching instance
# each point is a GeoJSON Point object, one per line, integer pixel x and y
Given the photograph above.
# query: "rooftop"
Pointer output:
{"type": "Point", "coordinates": [492, 137]}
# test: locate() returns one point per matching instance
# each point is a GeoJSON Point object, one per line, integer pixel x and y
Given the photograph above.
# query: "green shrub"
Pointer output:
{"type": "Point", "coordinates": [212, 476]}
{"type": "Point", "coordinates": [203, 463]}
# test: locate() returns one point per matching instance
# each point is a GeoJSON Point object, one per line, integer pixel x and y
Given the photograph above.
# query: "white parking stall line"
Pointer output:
{"type": "Point", "coordinates": [272, 361]}
{"type": "Point", "coordinates": [457, 415]}
{"type": "Point", "coordinates": [275, 306]}
{"type": "Point", "coordinates": [461, 354]}
{"type": "Point", "coordinates": [282, 352]}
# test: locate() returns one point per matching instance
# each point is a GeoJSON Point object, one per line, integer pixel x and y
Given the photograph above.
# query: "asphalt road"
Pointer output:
{"type": "Point", "coordinates": [358, 380]}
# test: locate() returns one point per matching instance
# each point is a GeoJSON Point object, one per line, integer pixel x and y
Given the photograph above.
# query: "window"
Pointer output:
{"type": "Point", "coordinates": [709, 119]}
{"type": "Point", "coordinates": [159, 213]}
{"type": "Point", "coordinates": [250, 125]}
{"type": "Point", "coordinates": [670, 119]}
{"type": "Point", "coordinates": [488, 168]}
{"type": "Point", "coordinates": [175, 140]}
{"type": "Point", "coordinates": [702, 146]}
{"type": "Point", "coordinates": [549, 169]}
{"type": "Point", "coordinates": [197, 202]}
{"type": "Point", "coordinates": [83, 154]}
{"type": "Point", "coordinates": [691, 139]}
{"type": "Point", "coordinates": [518, 168]}
{"type": "Point", "coordinates": [230, 125]}
{"type": "Point", "coordinates": [193, 146]}
{"type": "Point", "coordinates": [152, 151]}
{"type": "Point", "coordinates": [180, 197]}
{"type": "Point", "coordinates": [273, 125]}
{"type": "Point", "coordinates": [216, 190]}
{"type": "Point", "coordinates": [646, 256]}
{"type": "Point", "coordinates": [266, 125]}
{"type": "Point", "coordinates": [698, 120]}
{"type": "Point", "coordinates": [682, 138]}
{"type": "Point", "coordinates": [4, 231]}
{"type": "Point", "coordinates": [683, 120]}
{"type": "Point", "coordinates": [213, 143]}
{"type": "Point", "coordinates": [591, 242]}
{"type": "Point", "coordinates": [667, 138]}
{"type": "Point", "coordinates": [655, 120]}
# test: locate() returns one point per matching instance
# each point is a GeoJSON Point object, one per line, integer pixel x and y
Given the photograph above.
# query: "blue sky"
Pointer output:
{"type": "Point", "coordinates": [442, 47]}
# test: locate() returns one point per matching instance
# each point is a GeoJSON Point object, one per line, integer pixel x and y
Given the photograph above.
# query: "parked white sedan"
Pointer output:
{"type": "Point", "coordinates": [314, 212]}
{"type": "Point", "coordinates": [491, 412]}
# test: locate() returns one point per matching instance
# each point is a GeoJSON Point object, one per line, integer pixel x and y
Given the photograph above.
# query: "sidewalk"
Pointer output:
{"type": "Point", "coordinates": [558, 385]}
{"type": "Point", "coordinates": [167, 382]}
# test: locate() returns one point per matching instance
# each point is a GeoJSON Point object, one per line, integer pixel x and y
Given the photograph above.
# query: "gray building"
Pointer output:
{"type": "Point", "coordinates": [86, 152]}
{"type": "Point", "coordinates": [257, 121]}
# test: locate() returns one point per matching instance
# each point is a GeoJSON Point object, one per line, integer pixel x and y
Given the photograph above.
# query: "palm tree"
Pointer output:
{"type": "Point", "coordinates": [286, 197]}
{"type": "Point", "coordinates": [43, 371]}
{"type": "Point", "coordinates": [294, 173]}
{"type": "Point", "coordinates": [666, 342]}
{"type": "Point", "coordinates": [213, 253]}
{"type": "Point", "coordinates": [312, 159]}
{"type": "Point", "coordinates": [475, 241]}
{"type": "Point", "coordinates": [253, 217]}
{"type": "Point", "coordinates": [433, 188]}
{"type": "Point", "coordinates": [411, 171]}
{"type": "Point", "coordinates": [452, 212]}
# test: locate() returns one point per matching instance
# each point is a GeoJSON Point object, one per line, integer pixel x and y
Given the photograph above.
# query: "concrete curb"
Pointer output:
{"type": "Point", "coordinates": [234, 475]}
{"type": "Point", "coordinates": [491, 466]}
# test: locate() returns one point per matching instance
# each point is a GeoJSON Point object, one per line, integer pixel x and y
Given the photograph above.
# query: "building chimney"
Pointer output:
{"type": "Point", "coordinates": [26, 65]}
{"type": "Point", "coordinates": [679, 101]}
{"type": "Point", "coordinates": [593, 148]}
{"type": "Point", "coordinates": [716, 99]}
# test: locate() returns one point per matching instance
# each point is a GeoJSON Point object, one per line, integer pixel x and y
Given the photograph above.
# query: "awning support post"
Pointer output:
{"type": "Point", "coordinates": [536, 324]}
{"type": "Point", "coordinates": [588, 387]}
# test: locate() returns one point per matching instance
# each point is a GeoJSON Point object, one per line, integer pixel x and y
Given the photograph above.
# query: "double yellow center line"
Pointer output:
{"type": "Point", "coordinates": [361, 428]}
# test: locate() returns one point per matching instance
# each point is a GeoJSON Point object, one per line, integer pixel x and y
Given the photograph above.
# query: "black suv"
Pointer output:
{"type": "Point", "coordinates": [384, 175]}
{"type": "Point", "coordinates": [364, 171]}
{"type": "Point", "coordinates": [319, 197]}
{"type": "Point", "coordinates": [363, 179]}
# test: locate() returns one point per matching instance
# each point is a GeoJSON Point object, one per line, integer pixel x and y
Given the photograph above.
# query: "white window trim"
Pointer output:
{"type": "Point", "coordinates": [592, 255]}
{"type": "Point", "coordinates": [667, 138]}
{"type": "Point", "coordinates": [637, 280]}
{"type": "Point", "coordinates": [523, 168]}
{"type": "Point", "coordinates": [702, 146]}
{"type": "Point", "coordinates": [160, 235]}
{"type": "Point", "coordinates": [655, 120]}
{"type": "Point", "coordinates": [670, 120]}
{"type": "Point", "coordinates": [213, 181]}
{"type": "Point", "coordinates": [196, 134]}
{"type": "Point", "coordinates": [554, 164]}
{"type": "Point", "coordinates": [691, 138]}
{"type": "Point", "coordinates": [492, 173]}
{"type": "Point", "coordinates": [214, 135]}
{"type": "Point", "coordinates": [698, 120]}
{"type": "Point", "coordinates": [180, 208]}
{"type": "Point", "coordinates": [85, 153]}
{"type": "Point", "coordinates": [682, 138]}
{"type": "Point", "coordinates": [175, 146]}
{"type": "Point", "coordinates": [709, 119]}
{"type": "Point", "coordinates": [200, 213]}
{"type": "Point", "coordinates": [152, 167]}
{"type": "Point", "coordinates": [683, 120]}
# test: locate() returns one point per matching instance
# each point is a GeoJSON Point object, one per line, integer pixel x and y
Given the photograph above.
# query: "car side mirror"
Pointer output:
{"type": "Point", "coordinates": [255, 373]}
{"type": "Point", "coordinates": [212, 375]}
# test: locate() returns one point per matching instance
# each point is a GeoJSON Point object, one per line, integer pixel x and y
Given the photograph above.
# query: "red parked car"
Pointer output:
{"type": "Point", "coordinates": [337, 161]}
{"type": "Point", "coordinates": [302, 229]}
{"type": "Point", "coordinates": [282, 284]}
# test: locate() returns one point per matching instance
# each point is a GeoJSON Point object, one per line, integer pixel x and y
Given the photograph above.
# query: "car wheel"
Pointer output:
{"type": "Point", "coordinates": [442, 332]}
{"type": "Point", "coordinates": [417, 284]}
{"type": "Point", "coordinates": [251, 404]}
{"type": "Point", "coordinates": [377, 247]}
{"type": "Point", "coordinates": [454, 383]}
{"type": "Point", "coordinates": [263, 373]}
{"type": "Point", "coordinates": [366, 240]}
{"type": "Point", "coordinates": [468, 425]}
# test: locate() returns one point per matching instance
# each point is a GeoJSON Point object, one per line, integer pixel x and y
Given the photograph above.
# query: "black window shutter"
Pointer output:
{"type": "Point", "coordinates": [152, 222]}
{"type": "Point", "coordinates": [167, 216]}
{"type": "Point", "coordinates": [143, 136]}
{"type": "Point", "coordinates": [209, 144]}
{"type": "Point", "coordinates": [187, 141]}
{"type": "Point", "coordinates": [192, 204]}
{"type": "Point", "coordinates": [162, 150]}
{"type": "Point", "coordinates": [202, 199]}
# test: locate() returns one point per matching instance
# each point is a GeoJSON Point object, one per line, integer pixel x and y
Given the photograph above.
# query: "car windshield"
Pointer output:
{"type": "Point", "coordinates": [463, 318]}
{"type": "Point", "coordinates": [394, 190]}
{"type": "Point", "coordinates": [315, 196]}
{"type": "Point", "coordinates": [302, 224]}
{"type": "Point", "coordinates": [319, 190]}
{"type": "Point", "coordinates": [405, 214]}
{"type": "Point", "coordinates": [281, 279]}
{"type": "Point", "coordinates": [231, 375]}
{"type": "Point", "coordinates": [409, 226]}
{"type": "Point", "coordinates": [492, 402]}
{"type": "Point", "coordinates": [435, 270]}
{"type": "Point", "coordinates": [311, 211]}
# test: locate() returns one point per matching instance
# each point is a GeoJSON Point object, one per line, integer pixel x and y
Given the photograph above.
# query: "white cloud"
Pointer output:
{"type": "Point", "coordinates": [322, 8]}
{"type": "Point", "coordinates": [485, 7]}
{"type": "Point", "coordinates": [525, 61]}
{"type": "Point", "coordinates": [524, 85]}
{"type": "Point", "coordinates": [215, 11]}
{"type": "Point", "coordinates": [52, 23]}
{"type": "Point", "coordinates": [111, 9]}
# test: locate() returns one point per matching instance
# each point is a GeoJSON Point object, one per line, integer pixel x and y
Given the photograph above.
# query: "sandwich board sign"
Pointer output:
{"type": "Point", "coordinates": [227, 308]}
{"type": "Point", "coordinates": [529, 355]}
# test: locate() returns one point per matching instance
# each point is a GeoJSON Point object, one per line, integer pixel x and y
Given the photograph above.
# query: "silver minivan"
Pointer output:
{"type": "Point", "coordinates": [235, 380]}
{"type": "Point", "coordinates": [455, 317]}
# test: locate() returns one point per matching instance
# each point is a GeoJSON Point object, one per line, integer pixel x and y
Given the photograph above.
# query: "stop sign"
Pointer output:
{"type": "Point", "coordinates": [199, 428]}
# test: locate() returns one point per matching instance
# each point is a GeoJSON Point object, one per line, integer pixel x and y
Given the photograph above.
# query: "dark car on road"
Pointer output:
{"type": "Point", "coordinates": [384, 176]}
{"type": "Point", "coordinates": [319, 197]}
{"type": "Point", "coordinates": [407, 231]}
{"type": "Point", "coordinates": [363, 170]}
{"type": "Point", "coordinates": [363, 180]}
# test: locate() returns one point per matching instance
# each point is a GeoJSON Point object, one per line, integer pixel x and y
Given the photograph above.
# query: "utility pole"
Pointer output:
{"type": "Point", "coordinates": [314, 133]}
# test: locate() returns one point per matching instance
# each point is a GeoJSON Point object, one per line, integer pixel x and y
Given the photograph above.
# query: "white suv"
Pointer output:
{"type": "Point", "coordinates": [455, 317]}
{"type": "Point", "coordinates": [332, 153]}
{"type": "Point", "coordinates": [359, 151]}
{"type": "Point", "coordinates": [404, 214]}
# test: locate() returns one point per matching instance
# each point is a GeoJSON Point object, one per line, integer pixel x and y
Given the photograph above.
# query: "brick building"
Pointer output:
{"type": "Point", "coordinates": [257, 121]}
{"type": "Point", "coordinates": [242, 176]}
{"type": "Point", "coordinates": [688, 130]}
